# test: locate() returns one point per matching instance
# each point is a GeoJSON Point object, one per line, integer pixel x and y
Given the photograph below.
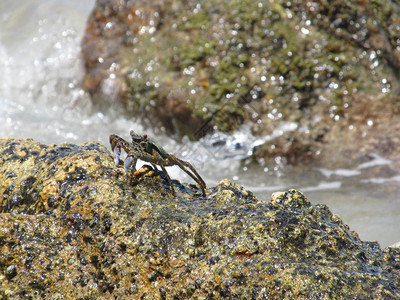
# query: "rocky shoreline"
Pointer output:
{"type": "Point", "coordinates": [71, 225]}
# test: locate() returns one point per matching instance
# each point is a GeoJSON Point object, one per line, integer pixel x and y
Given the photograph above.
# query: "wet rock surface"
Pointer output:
{"type": "Point", "coordinates": [71, 224]}
{"type": "Point", "coordinates": [331, 68]}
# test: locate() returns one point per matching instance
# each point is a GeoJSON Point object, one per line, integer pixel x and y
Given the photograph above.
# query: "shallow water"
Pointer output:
{"type": "Point", "coordinates": [41, 98]}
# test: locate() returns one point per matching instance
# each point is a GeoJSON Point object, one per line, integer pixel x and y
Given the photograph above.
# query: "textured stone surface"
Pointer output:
{"type": "Point", "coordinates": [331, 68]}
{"type": "Point", "coordinates": [71, 225]}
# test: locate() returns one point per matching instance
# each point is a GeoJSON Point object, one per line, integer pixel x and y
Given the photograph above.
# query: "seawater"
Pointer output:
{"type": "Point", "coordinates": [41, 98]}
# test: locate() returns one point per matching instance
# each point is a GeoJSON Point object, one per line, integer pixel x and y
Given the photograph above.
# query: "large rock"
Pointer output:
{"type": "Point", "coordinates": [71, 225]}
{"type": "Point", "coordinates": [331, 68]}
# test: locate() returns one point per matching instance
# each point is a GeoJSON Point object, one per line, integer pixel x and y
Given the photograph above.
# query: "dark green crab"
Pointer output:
{"type": "Point", "coordinates": [147, 150]}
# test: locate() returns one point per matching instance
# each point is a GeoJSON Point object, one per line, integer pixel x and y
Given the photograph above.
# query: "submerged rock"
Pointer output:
{"type": "Point", "coordinates": [71, 224]}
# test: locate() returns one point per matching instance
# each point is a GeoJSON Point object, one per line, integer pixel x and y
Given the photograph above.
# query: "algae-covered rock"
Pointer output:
{"type": "Point", "coordinates": [196, 66]}
{"type": "Point", "coordinates": [72, 225]}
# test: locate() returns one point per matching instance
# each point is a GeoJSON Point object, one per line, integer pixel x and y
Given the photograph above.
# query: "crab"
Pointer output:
{"type": "Point", "coordinates": [147, 150]}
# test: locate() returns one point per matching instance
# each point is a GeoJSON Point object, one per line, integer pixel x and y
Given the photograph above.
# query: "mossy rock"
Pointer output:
{"type": "Point", "coordinates": [72, 225]}
{"type": "Point", "coordinates": [193, 67]}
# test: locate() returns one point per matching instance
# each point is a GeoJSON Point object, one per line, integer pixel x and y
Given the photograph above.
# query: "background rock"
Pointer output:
{"type": "Point", "coordinates": [195, 66]}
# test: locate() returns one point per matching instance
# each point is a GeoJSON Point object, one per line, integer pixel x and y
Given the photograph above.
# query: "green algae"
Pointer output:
{"type": "Point", "coordinates": [223, 59]}
{"type": "Point", "coordinates": [197, 66]}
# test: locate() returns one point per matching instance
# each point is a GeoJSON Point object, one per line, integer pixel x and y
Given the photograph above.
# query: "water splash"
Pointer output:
{"type": "Point", "coordinates": [238, 145]}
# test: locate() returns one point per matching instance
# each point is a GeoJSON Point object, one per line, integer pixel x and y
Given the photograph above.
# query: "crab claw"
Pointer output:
{"type": "Point", "coordinates": [128, 162]}
{"type": "Point", "coordinates": [117, 153]}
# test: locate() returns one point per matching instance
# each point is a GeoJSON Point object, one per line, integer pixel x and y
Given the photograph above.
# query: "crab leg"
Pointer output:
{"type": "Point", "coordinates": [184, 165]}
{"type": "Point", "coordinates": [157, 159]}
{"type": "Point", "coordinates": [171, 161]}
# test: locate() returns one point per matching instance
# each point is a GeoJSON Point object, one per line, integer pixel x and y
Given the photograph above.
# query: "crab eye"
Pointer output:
{"type": "Point", "coordinates": [144, 136]}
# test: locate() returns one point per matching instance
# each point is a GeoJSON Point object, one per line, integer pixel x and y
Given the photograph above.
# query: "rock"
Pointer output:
{"type": "Point", "coordinates": [332, 68]}
{"type": "Point", "coordinates": [11, 272]}
{"type": "Point", "coordinates": [71, 225]}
